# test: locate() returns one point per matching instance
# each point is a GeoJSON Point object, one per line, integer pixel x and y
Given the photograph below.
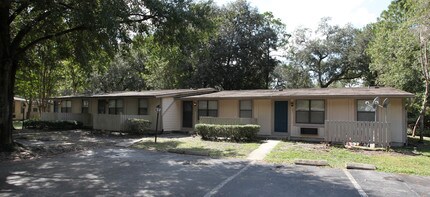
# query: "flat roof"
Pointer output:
{"type": "Point", "coordinates": [305, 93]}
{"type": "Point", "coordinates": [146, 93]}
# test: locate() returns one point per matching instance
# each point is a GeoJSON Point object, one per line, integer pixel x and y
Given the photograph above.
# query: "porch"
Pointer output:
{"type": "Point", "coordinates": [361, 132]}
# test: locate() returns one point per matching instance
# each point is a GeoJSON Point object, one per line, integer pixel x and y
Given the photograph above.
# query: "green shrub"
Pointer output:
{"type": "Point", "coordinates": [229, 132]}
{"type": "Point", "coordinates": [52, 125]}
{"type": "Point", "coordinates": [138, 126]}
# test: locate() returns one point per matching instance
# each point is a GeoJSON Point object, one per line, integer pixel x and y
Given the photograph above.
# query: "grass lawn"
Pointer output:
{"type": "Point", "coordinates": [397, 160]}
{"type": "Point", "coordinates": [196, 144]}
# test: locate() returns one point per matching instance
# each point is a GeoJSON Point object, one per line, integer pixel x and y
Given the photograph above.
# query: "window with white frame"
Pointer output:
{"type": "Point", "coordinates": [66, 106]}
{"type": "Point", "coordinates": [208, 108]}
{"type": "Point", "coordinates": [85, 106]}
{"type": "Point", "coordinates": [245, 109]}
{"type": "Point", "coordinates": [310, 111]}
{"type": "Point", "coordinates": [116, 106]}
{"type": "Point", "coordinates": [143, 107]}
{"type": "Point", "coordinates": [365, 112]}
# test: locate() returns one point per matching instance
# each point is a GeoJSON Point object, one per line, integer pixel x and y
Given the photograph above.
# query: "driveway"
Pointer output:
{"type": "Point", "coordinates": [113, 171]}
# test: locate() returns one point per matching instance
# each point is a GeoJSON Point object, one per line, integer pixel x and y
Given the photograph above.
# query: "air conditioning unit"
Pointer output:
{"type": "Point", "coordinates": [309, 131]}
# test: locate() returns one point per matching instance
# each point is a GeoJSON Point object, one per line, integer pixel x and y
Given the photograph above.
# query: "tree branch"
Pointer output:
{"type": "Point", "coordinates": [49, 36]}
{"type": "Point", "coordinates": [143, 18]}
{"type": "Point", "coordinates": [26, 29]}
{"type": "Point", "coordinates": [18, 11]}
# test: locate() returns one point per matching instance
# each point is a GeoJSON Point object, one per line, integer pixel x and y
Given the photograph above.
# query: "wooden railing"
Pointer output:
{"type": "Point", "coordinates": [358, 132]}
{"type": "Point", "coordinates": [107, 122]}
{"type": "Point", "coordinates": [84, 118]}
{"type": "Point", "coordinates": [111, 122]}
{"type": "Point", "coordinates": [227, 121]}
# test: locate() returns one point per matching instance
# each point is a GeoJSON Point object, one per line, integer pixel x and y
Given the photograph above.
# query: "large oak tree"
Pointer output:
{"type": "Point", "coordinates": [87, 26]}
{"type": "Point", "coordinates": [330, 54]}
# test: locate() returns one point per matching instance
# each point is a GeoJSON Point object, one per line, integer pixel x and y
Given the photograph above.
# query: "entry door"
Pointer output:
{"type": "Point", "coordinates": [281, 116]}
{"type": "Point", "coordinates": [187, 114]}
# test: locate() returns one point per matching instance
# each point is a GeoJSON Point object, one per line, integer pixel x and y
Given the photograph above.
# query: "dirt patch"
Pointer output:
{"type": "Point", "coordinates": [32, 144]}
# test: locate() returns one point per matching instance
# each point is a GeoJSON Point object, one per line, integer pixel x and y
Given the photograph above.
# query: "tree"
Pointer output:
{"type": "Point", "coordinates": [394, 50]}
{"type": "Point", "coordinates": [85, 25]}
{"type": "Point", "coordinates": [399, 50]}
{"type": "Point", "coordinates": [37, 83]}
{"type": "Point", "coordinates": [330, 54]}
{"type": "Point", "coordinates": [292, 76]}
{"type": "Point", "coordinates": [420, 24]}
{"type": "Point", "coordinates": [125, 73]}
{"type": "Point", "coordinates": [239, 56]}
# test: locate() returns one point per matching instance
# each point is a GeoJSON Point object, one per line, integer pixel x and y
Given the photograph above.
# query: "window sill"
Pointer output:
{"type": "Point", "coordinates": [309, 125]}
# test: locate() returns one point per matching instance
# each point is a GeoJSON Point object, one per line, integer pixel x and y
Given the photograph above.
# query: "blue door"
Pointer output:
{"type": "Point", "coordinates": [281, 116]}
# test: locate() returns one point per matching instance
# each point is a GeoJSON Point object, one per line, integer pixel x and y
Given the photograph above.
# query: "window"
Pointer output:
{"type": "Point", "coordinates": [245, 109]}
{"type": "Point", "coordinates": [55, 106]}
{"type": "Point", "coordinates": [85, 106]}
{"type": "Point", "coordinates": [143, 107]}
{"type": "Point", "coordinates": [208, 108]}
{"type": "Point", "coordinates": [101, 106]}
{"type": "Point", "coordinates": [115, 106]}
{"type": "Point", "coordinates": [310, 111]}
{"type": "Point", "coordinates": [66, 106]}
{"type": "Point", "coordinates": [365, 112]}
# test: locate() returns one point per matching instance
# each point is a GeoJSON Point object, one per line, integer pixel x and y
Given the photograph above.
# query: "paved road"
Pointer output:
{"type": "Point", "coordinates": [131, 172]}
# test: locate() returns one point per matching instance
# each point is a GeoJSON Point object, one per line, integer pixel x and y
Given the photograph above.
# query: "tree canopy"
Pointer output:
{"type": "Point", "coordinates": [329, 54]}
{"type": "Point", "coordinates": [84, 28]}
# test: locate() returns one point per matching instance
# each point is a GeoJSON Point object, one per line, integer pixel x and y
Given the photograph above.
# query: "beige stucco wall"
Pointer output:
{"type": "Point", "coordinates": [228, 108]}
{"type": "Point", "coordinates": [340, 109]}
{"type": "Point", "coordinates": [396, 117]}
{"type": "Point", "coordinates": [76, 105]}
{"type": "Point", "coordinates": [171, 113]}
{"type": "Point", "coordinates": [263, 111]}
{"type": "Point", "coordinates": [16, 112]}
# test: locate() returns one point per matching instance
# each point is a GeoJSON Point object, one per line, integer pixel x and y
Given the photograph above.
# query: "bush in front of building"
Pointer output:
{"type": "Point", "coordinates": [52, 125]}
{"type": "Point", "coordinates": [138, 126]}
{"type": "Point", "coordinates": [228, 132]}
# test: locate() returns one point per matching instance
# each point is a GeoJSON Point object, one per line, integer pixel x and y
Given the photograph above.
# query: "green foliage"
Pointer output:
{"type": "Point", "coordinates": [229, 132]}
{"type": "Point", "coordinates": [125, 73]}
{"type": "Point", "coordinates": [52, 125]}
{"type": "Point", "coordinates": [239, 54]}
{"type": "Point", "coordinates": [330, 55]}
{"type": "Point", "coordinates": [289, 76]}
{"type": "Point", "coordinates": [395, 50]}
{"type": "Point", "coordinates": [138, 126]}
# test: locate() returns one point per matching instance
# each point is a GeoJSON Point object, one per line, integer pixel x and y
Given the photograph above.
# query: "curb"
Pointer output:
{"type": "Point", "coordinates": [188, 152]}
{"type": "Point", "coordinates": [127, 144]}
{"type": "Point", "coordinates": [360, 166]}
{"type": "Point", "coordinates": [311, 162]}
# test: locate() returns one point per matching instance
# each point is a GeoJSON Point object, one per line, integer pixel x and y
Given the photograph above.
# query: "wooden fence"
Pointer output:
{"type": "Point", "coordinates": [227, 121]}
{"type": "Point", "coordinates": [107, 122]}
{"type": "Point", "coordinates": [111, 122]}
{"type": "Point", "coordinates": [84, 118]}
{"type": "Point", "coordinates": [358, 132]}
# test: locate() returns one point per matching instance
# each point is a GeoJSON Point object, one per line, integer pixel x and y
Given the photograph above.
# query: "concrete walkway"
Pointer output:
{"type": "Point", "coordinates": [264, 149]}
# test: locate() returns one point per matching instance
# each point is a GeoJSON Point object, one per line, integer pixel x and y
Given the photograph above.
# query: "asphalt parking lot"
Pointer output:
{"type": "Point", "coordinates": [113, 171]}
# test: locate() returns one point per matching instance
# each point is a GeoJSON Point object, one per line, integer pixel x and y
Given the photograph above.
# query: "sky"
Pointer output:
{"type": "Point", "coordinates": [308, 13]}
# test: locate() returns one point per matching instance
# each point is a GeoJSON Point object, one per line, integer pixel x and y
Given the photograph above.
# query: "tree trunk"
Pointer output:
{"type": "Point", "coordinates": [7, 81]}
{"type": "Point", "coordinates": [425, 71]}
